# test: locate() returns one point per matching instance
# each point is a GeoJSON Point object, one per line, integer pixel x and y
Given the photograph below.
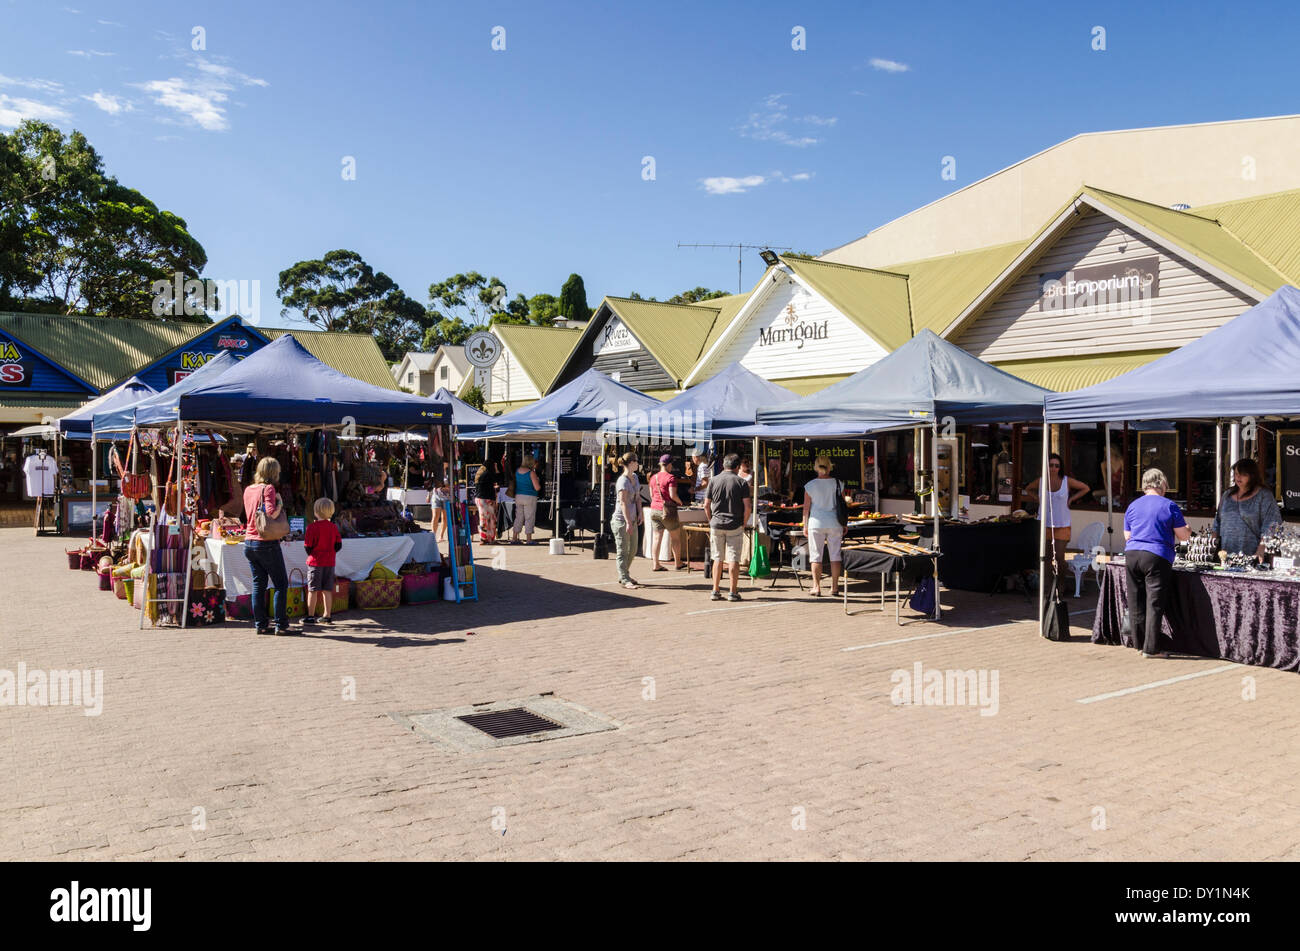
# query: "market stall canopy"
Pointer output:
{"type": "Point", "coordinates": [808, 430]}
{"type": "Point", "coordinates": [925, 379]}
{"type": "Point", "coordinates": [284, 385]}
{"type": "Point", "coordinates": [730, 397]}
{"type": "Point", "coordinates": [158, 409]}
{"type": "Point", "coordinates": [590, 402]}
{"type": "Point", "coordinates": [464, 417]}
{"type": "Point", "coordinates": [79, 423]}
{"type": "Point", "coordinates": [1250, 366]}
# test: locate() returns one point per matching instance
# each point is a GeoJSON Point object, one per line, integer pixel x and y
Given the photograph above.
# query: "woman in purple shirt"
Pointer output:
{"type": "Point", "coordinates": [1151, 524]}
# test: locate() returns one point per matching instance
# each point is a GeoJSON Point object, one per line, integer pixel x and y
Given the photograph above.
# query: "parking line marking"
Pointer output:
{"type": "Point", "coordinates": [744, 607]}
{"type": "Point", "coordinates": [926, 637]}
{"type": "Point", "coordinates": [1158, 683]}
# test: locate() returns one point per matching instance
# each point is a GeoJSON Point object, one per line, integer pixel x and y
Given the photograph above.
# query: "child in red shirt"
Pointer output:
{"type": "Point", "coordinates": [323, 542]}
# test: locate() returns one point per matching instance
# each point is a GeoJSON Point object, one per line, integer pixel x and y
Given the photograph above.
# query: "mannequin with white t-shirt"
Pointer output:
{"type": "Point", "coordinates": [40, 473]}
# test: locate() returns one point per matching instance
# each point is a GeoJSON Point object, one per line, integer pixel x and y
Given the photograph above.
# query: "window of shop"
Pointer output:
{"type": "Point", "coordinates": [896, 464]}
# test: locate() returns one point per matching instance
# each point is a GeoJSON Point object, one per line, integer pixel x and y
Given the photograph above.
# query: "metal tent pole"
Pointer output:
{"type": "Point", "coordinates": [934, 496]}
{"type": "Point", "coordinates": [1042, 531]}
{"type": "Point", "coordinates": [1218, 462]}
{"type": "Point", "coordinates": [1110, 500]}
{"type": "Point", "coordinates": [94, 476]}
{"type": "Point", "coordinates": [555, 474]}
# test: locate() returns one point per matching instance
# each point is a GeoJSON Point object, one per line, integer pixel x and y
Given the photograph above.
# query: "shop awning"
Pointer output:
{"type": "Point", "coordinates": [77, 425]}
{"type": "Point", "coordinates": [1250, 366]}
{"type": "Point", "coordinates": [925, 379]}
{"type": "Point", "coordinates": [1062, 374]}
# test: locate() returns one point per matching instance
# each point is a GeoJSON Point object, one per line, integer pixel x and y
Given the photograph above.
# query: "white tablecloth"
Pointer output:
{"type": "Point", "coordinates": [686, 516]}
{"type": "Point", "coordinates": [355, 560]}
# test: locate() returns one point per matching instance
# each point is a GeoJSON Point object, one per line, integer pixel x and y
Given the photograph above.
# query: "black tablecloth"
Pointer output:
{"type": "Point", "coordinates": [859, 561]}
{"type": "Point", "coordinates": [1213, 614]}
{"type": "Point", "coordinates": [585, 517]}
{"type": "Point", "coordinates": [975, 556]}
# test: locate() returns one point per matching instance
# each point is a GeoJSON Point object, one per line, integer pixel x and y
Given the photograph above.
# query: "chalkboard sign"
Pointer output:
{"type": "Point", "coordinates": [1288, 470]}
{"type": "Point", "coordinates": [846, 458]}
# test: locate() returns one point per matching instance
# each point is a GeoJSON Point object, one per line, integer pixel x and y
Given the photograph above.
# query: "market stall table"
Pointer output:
{"type": "Point", "coordinates": [1237, 616]}
{"type": "Point", "coordinates": [686, 516]}
{"type": "Point", "coordinates": [976, 555]}
{"type": "Point", "coordinates": [355, 560]}
{"type": "Point", "coordinates": [857, 562]}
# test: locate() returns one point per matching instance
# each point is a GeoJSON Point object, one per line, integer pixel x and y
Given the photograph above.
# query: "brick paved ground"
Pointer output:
{"type": "Point", "coordinates": [758, 713]}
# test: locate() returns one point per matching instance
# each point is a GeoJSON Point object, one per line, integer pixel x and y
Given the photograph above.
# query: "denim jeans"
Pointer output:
{"type": "Point", "coordinates": [267, 561]}
{"type": "Point", "coordinates": [624, 546]}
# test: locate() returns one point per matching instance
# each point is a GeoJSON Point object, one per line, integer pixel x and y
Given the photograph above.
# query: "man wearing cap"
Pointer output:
{"type": "Point", "coordinates": [663, 512]}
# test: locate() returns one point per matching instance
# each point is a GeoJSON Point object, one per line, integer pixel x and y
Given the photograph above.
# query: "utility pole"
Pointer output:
{"type": "Point", "coordinates": [740, 257]}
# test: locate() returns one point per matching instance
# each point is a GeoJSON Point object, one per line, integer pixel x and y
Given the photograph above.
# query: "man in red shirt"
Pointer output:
{"type": "Point", "coordinates": [323, 542]}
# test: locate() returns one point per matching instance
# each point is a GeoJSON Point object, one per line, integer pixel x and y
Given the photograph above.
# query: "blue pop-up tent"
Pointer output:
{"type": "Point", "coordinates": [925, 379]}
{"type": "Point", "coordinates": [79, 424]}
{"type": "Point", "coordinates": [464, 417]}
{"type": "Point", "coordinates": [157, 409]}
{"type": "Point", "coordinates": [1248, 367]}
{"type": "Point", "coordinates": [284, 385]}
{"type": "Point", "coordinates": [592, 401]}
{"type": "Point", "coordinates": [728, 398]}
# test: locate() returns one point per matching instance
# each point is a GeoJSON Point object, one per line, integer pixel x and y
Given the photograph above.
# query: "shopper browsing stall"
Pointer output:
{"type": "Point", "coordinates": [485, 498]}
{"type": "Point", "coordinates": [727, 507]}
{"type": "Point", "coordinates": [1151, 525]}
{"type": "Point", "coordinates": [323, 543]}
{"type": "Point", "coordinates": [1246, 512]}
{"type": "Point", "coordinates": [663, 512]}
{"type": "Point", "coordinates": [627, 516]}
{"type": "Point", "coordinates": [821, 523]}
{"type": "Point", "coordinates": [527, 489]}
{"type": "Point", "coordinates": [266, 525]}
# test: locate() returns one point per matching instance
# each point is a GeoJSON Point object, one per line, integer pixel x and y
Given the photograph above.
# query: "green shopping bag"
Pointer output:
{"type": "Point", "coordinates": [758, 565]}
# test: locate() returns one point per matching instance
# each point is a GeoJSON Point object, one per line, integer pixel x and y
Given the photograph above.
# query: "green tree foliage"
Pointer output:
{"type": "Point", "coordinates": [694, 295]}
{"type": "Point", "coordinates": [474, 397]}
{"type": "Point", "coordinates": [573, 299]}
{"type": "Point", "coordinates": [341, 292]}
{"type": "Point", "coordinates": [75, 240]}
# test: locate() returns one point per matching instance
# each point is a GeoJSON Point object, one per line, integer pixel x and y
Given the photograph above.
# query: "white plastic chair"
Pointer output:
{"type": "Point", "coordinates": [1090, 542]}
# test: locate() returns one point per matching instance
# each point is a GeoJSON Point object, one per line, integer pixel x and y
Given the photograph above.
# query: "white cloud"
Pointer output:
{"type": "Point", "coordinates": [110, 23]}
{"type": "Point", "coordinates": [110, 104]}
{"type": "Point", "coordinates": [14, 110]}
{"type": "Point", "coordinates": [202, 98]}
{"type": "Point", "coordinates": [88, 53]}
{"type": "Point", "coordinates": [889, 65]}
{"type": "Point", "coordinates": [40, 85]}
{"type": "Point", "coordinates": [771, 124]}
{"type": "Point", "coordinates": [726, 185]}
{"type": "Point", "coordinates": [800, 176]}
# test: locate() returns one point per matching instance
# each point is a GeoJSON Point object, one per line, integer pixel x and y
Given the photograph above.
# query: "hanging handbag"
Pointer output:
{"type": "Point", "coordinates": [135, 485]}
{"type": "Point", "coordinates": [270, 529]}
{"type": "Point", "coordinates": [207, 604]}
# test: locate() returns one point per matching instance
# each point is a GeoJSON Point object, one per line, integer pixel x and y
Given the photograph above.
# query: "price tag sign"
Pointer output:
{"type": "Point", "coordinates": [297, 524]}
{"type": "Point", "coordinates": [591, 444]}
{"type": "Point", "coordinates": [1283, 564]}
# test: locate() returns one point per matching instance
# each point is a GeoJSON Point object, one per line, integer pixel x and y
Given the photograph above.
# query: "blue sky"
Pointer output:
{"type": "Point", "coordinates": [527, 162]}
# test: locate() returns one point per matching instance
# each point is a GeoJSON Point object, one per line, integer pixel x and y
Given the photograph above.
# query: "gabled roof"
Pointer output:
{"type": "Point", "coordinates": [727, 307]}
{"type": "Point", "coordinates": [1201, 240]}
{"type": "Point", "coordinates": [1268, 224]}
{"type": "Point", "coordinates": [100, 350]}
{"type": "Point", "coordinates": [875, 300]}
{"type": "Point", "coordinates": [943, 286]}
{"type": "Point", "coordinates": [455, 356]}
{"type": "Point", "coordinates": [673, 333]}
{"type": "Point", "coordinates": [541, 351]}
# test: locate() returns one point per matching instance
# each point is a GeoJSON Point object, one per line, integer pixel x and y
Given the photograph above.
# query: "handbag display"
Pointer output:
{"type": "Point", "coordinates": [270, 529]}
{"type": "Point", "coordinates": [758, 564]}
{"type": "Point", "coordinates": [135, 486]}
{"type": "Point", "coordinates": [206, 604]}
{"type": "Point", "coordinates": [421, 587]}
{"type": "Point", "coordinates": [841, 507]}
{"type": "Point", "coordinates": [379, 594]}
{"type": "Point", "coordinates": [295, 603]}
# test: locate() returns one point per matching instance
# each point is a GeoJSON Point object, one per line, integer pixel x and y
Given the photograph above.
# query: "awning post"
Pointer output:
{"type": "Point", "coordinates": [1110, 500]}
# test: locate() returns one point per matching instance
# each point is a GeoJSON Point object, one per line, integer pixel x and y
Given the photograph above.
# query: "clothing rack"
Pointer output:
{"type": "Point", "coordinates": [458, 535]}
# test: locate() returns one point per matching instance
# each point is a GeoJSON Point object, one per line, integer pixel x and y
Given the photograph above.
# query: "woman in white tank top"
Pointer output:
{"type": "Point", "coordinates": [1063, 491]}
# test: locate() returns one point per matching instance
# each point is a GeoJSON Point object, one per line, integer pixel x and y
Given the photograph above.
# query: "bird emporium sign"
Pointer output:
{"type": "Point", "coordinates": [793, 330]}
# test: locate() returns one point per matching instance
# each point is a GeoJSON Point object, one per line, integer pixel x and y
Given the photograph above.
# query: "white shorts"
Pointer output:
{"type": "Point", "coordinates": [824, 537]}
{"type": "Point", "coordinates": [726, 543]}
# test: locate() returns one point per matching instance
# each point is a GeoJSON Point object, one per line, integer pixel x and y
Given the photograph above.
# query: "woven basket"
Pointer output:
{"type": "Point", "coordinates": [105, 580]}
{"type": "Point", "coordinates": [381, 594]}
{"type": "Point", "coordinates": [74, 559]}
{"type": "Point", "coordinates": [421, 588]}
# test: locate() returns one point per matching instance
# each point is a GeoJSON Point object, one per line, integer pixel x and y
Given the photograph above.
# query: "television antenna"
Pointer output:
{"type": "Point", "coordinates": [740, 257]}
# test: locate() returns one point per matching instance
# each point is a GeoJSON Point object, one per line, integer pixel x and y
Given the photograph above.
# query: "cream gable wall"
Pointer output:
{"type": "Point", "coordinates": [1191, 303]}
{"type": "Point", "coordinates": [847, 348]}
{"type": "Point", "coordinates": [509, 382]}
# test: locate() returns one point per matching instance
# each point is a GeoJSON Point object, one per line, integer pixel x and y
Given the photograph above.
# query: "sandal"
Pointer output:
{"type": "Point", "coordinates": [814, 594]}
{"type": "Point", "coordinates": [659, 568]}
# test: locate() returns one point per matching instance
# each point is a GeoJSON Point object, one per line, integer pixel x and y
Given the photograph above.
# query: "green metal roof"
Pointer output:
{"type": "Point", "coordinates": [1268, 224]}
{"type": "Point", "coordinates": [541, 351]}
{"type": "Point", "coordinates": [727, 307]}
{"type": "Point", "coordinates": [877, 301]}
{"type": "Point", "coordinates": [100, 350]}
{"type": "Point", "coordinates": [1074, 373]}
{"type": "Point", "coordinates": [357, 355]}
{"type": "Point", "coordinates": [673, 333]}
{"type": "Point", "coordinates": [1202, 236]}
{"type": "Point", "coordinates": [942, 287]}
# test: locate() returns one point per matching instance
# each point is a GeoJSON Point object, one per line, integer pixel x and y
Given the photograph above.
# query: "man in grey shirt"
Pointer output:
{"type": "Point", "coordinates": [727, 506]}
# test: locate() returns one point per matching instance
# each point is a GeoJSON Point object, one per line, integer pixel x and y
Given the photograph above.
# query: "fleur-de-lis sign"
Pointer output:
{"type": "Point", "coordinates": [791, 318]}
{"type": "Point", "coordinates": [484, 350]}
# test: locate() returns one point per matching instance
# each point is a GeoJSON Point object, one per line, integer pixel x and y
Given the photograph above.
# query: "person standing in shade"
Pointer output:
{"type": "Point", "coordinates": [527, 488]}
{"type": "Point", "coordinates": [701, 471]}
{"type": "Point", "coordinates": [727, 507]}
{"type": "Point", "coordinates": [485, 499]}
{"type": "Point", "coordinates": [1246, 512]}
{"type": "Point", "coordinates": [821, 524]}
{"type": "Point", "coordinates": [626, 517]}
{"type": "Point", "coordinates": [1055, 511]}
{"type": "Point", "coordinates": [266, 558]}
{"type": "Point", "coordinates": [663, 513]}
{"type": "Point", "coordinates": [1151, 525]}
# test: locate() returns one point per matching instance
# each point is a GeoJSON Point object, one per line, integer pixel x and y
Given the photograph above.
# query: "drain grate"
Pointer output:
{"type": "Point", "coordinates": [517, 721]}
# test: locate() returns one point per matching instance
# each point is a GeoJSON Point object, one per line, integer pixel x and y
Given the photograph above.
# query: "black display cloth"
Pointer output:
{"type": "Point", "coordinates": [858, 561]}
{"type": "Point", "coordinates": [1248, 620]}
{"type": "Point", "coordinates": [975, 557]}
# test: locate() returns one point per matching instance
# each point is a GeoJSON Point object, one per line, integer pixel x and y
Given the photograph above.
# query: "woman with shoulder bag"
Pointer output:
{"type": "Point", "coordinates": [663, 513]}
{"type": "Point", "coordinates": [822, 498]}
{"type": "Point", "coordinates": [267, 524]}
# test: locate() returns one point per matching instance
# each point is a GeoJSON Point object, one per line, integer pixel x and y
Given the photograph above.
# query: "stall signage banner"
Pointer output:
{"type": "Point", "coordinates": [846, 462]}
{"type": "Point", "coordinates": [1288, 470]}
{"type": "Point", "coordinates": [1100, 285]}
{"type": "Point", "coordinates": [614, 337]}
{"type": "Point", "coordinates": [590, 444]}
{"type": "Point", "coordinates": [14, 367]}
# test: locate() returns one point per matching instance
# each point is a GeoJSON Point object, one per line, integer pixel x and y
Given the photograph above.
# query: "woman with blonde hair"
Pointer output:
{"type": "Point", "coordinates": [527, 488]}
{"type": "Point", "coordinates": [627, 517]}
{"type": "Point", "coordinates": [821, 523]}
{"type": "Point", "coordinates": [265, 557]}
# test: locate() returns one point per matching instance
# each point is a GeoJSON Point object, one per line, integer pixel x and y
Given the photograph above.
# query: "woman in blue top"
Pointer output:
{"type": "Point", "coordinates": [1151, 524]}
{"type": "Point", "coordinates": [527, 489]}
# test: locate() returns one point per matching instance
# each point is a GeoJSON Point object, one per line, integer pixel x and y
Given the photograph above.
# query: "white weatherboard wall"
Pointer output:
{"type": "Point", "coordinates": [1190, 303]}
{"type": "Point", "coordinates": [845, 348]}
{"type": "Point", "coordinates": [509, 382]}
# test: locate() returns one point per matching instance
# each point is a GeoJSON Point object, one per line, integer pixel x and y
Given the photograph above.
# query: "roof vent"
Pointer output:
{"type": "Point", "coordinates": [1181, 206]}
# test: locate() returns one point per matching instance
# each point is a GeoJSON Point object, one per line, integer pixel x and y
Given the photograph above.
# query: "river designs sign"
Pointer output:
{"type": "Point", "coordinates": [796, 330]}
